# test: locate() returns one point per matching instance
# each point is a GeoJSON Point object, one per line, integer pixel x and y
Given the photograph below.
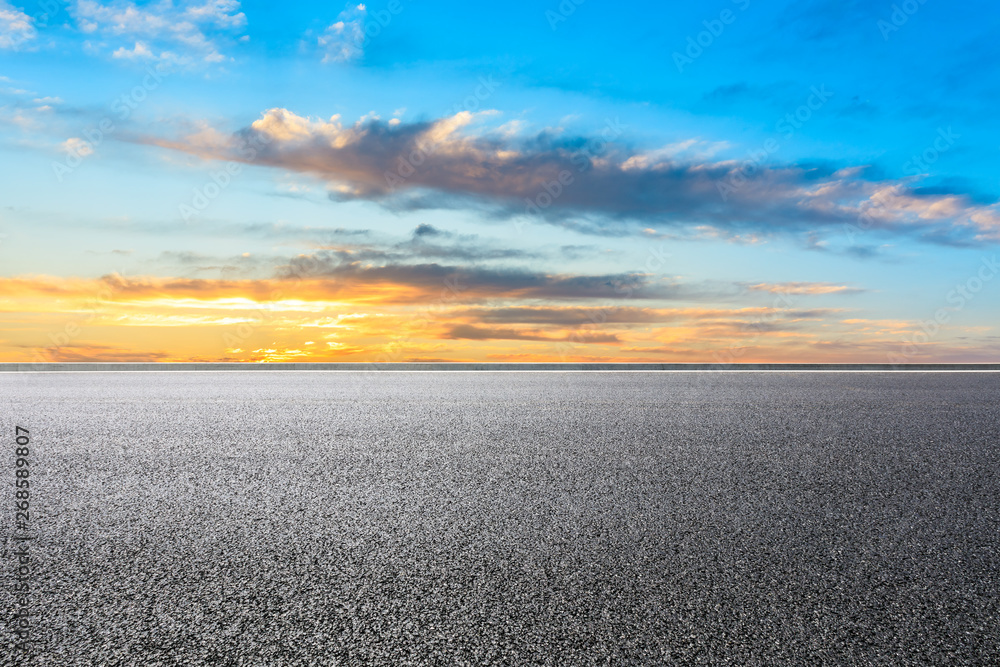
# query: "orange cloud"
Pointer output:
{"type": "Point", "coordinates": [345, 318]}
{"type": "Point", "coordinates": [803, 288]}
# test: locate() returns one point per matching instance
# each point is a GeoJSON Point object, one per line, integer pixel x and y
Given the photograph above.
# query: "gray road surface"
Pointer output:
{"type": "Point", "coordinates": [511, 518]}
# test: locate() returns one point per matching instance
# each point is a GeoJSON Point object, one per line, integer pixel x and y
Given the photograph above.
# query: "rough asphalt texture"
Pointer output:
{"type": "Point", "coordinates": [516, 519]}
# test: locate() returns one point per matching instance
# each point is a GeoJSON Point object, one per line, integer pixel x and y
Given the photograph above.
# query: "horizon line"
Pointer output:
{"type": "Point", "coordinates": [126, 366]}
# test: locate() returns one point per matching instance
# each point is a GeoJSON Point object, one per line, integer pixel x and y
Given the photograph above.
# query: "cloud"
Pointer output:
{"type": "Point", "coordinates": [139, 52]}
{"type": "Point", "coordinates": [188, 34]}
{"type": "Point", "coordinates": [349, 316]}
{"type": "Point", "coordinates": [587, 183]}
{"type": "Point", "coordinates": [426, 230]}
{"type": "Point", "coordinates": [567, 315]}
{"type": "Point", "coordinates": [428, 280]}
{"type": "Point", "coordinates": [469, 332]}
{"type": "Point", "coordinates": [328, 276]}
{"type": "Point", "coordinates": [329, 279]}
{"type": "Point", "coordinates": [804, 288]}
{"type": "Point", "coordinates": [77, 146]}
{"type": "Point", "coordinates": [93, 352]}
{"type": "Point", "coordinates": [425, 243]}
{"type": "Point", "coordinates": [421, 250]}
{"type": "Point", "coordinates": [16, 27]}
{"type": "Point", "coordinates": [344, 39]}
{"type": "Point", "coordinates": [620, 313]}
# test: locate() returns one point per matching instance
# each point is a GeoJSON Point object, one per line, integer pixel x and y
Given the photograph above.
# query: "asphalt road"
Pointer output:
{"type": "Point", "coordinates": [508, 518]}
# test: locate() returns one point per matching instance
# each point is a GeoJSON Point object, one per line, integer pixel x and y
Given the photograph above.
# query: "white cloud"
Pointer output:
{"type": "Point", "coordinates": [344, 40]}
{"type": "Point", "coordinates": [141, 51]}
{"type": "Point", "coordinates": [77, 146]}
{"type": "Point", "coordinates": [16, 27]}
{"type": "Point", "coordinates": [188, 34]}
{"type": "Point", "coordinates": [690, 149]}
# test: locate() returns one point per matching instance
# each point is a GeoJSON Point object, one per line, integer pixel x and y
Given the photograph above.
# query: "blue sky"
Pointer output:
{"type": "Point", "coordinates": [841, 155]}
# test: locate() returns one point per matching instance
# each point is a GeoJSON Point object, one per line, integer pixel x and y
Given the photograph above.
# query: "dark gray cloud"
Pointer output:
{"type": "Point", "coordinates": [466, 283]}
{"type": "Point", "coordinates": [474, 283]}
{"type": "Point", "coordinates": [595, 184]}
{"type": "Point", "coordinates": [339, 245]}
{"type": "Point", "coordinates": [427, 230]}
{"type": "Point", "coordinates": [568, 316]}
{"type": "Point", "coordinates": [422, 246]}
{"type": "Point", "coordinates": [621, 314]}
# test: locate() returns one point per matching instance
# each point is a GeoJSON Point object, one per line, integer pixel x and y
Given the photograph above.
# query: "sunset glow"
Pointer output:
{"type": "Point", "coordinates": [263, 184]}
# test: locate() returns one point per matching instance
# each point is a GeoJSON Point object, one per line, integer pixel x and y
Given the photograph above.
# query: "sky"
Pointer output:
{"type": "Point", "coordinates": [730, 181]}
